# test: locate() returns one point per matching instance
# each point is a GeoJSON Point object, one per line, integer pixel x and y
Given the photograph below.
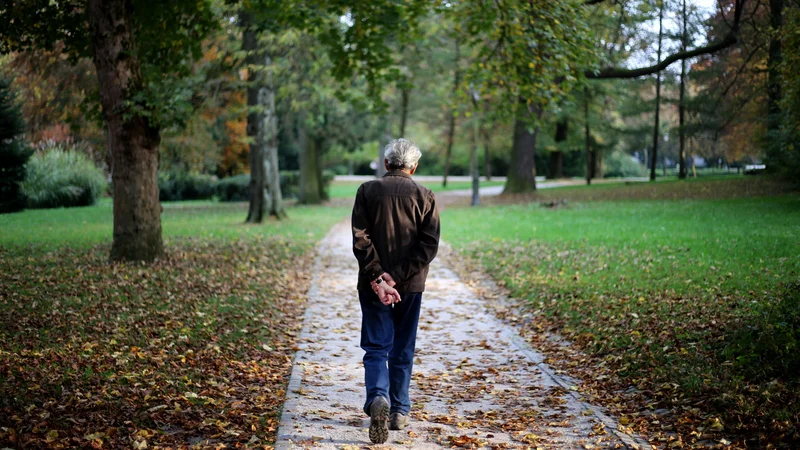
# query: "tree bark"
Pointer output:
{"type": "Point", "coordinates": [451, 129]}
{"type": "Point", "coordinates": [309, 181]}
{"type": "Point", "coordinates": [557, 156]}
{"type": "Point", "coordinates": [656, 127]}
{"type": "Point", "coordinates": [270, 139]}
{"type": "Point", "coordinates": [133, 140]}
{"type": "Point", "coordinates": [587, 140]}
{"type": "Point", "coordinates": [386, 137]}
{"type": "Point", "coordinates": [404, 93]}
{"type": "Point", "coordinates": [487, 152]}
{"type": "Point", "coordinates": [774, 77]}
{"type": "Point", "coordinates": [681, 101]}
{"type": "Point", "coordinates": [473, 162]}
{"type": "Point", "coordinates": [522, 173]}
{"type": "Point", "coordinates": [255, 122]}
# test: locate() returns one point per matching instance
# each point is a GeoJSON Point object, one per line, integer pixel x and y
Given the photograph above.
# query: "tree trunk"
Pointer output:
{"type": "Point", "coordinates": [487, 152]}
{"type": "Point", "coordinates": [681, 101]}
{"type": "Point", "coordinates": [386, 137]}
{"type": "Point", "coordinates": [133, 140]}
{"type": "Point", "coordinates": [255, 123]}
{"type": "Point", "coordinates": [522, 172]}
{"type": "Point", "coordinates": [405, 92]}
{"type": "Point", "coordinates": [309, 181]}
{"type": "Point", "coordinates": [599, 169]}
{"type": "Point", "coordinates": [474, 170]}
{"type": "Point", "coordinates": [270, 139]}
{"type": "Point", "coordinates": [774, 78]}
{"type": "Point", "coordinates": [658, 93]}
{"type": "Point", "coordinates": [557, 156]}
{"type": "Point", "coordinates": [451, 130]}
{"type": "Point", "coordinates": [587, 140]}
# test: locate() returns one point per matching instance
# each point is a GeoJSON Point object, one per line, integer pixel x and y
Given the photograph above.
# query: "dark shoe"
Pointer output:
{"type": "Point", "coordinates": [379, 420]}
{"type": "Point", "coordinates": [397, 421]}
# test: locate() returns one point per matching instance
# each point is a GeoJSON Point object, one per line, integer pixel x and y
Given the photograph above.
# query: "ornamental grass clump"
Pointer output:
{"type": "Point", "coordinates": [57, 178]}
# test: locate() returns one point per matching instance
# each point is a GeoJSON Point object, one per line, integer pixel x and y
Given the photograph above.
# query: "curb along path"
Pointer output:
{"type": "Point", "coordinates": [476, 384]}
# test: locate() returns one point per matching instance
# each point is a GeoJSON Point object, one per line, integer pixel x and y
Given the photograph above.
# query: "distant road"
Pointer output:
{"type": "Point", "coordinates": [488, 191]}
{"type": "Point", "coordinates": [433, 178]}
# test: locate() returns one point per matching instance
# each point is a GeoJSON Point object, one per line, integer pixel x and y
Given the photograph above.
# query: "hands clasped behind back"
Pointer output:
{"type": "Point", "coordinates": [385, 291]}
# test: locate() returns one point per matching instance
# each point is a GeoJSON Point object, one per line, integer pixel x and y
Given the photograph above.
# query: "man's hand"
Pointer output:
{"type": "Point", "coordinates": [387, 294]}
{"type": "Point", "coordinates": [388, 279]}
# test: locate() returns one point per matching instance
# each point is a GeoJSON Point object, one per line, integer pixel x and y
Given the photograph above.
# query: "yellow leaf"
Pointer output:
{"type": "Point", "coordinates": [52, 435]}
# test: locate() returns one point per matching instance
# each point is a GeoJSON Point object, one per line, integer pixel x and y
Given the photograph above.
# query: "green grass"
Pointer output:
{"type": "Point", "coordinates": [92, 225]}
{"type": "Point", "coordinates": [347, 189]}
{"type": "Point", "coordinates": [700, 293]}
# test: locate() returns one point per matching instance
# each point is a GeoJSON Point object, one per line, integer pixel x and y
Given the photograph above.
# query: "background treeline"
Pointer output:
{"type": "Point", "coordinates": [561, 89]}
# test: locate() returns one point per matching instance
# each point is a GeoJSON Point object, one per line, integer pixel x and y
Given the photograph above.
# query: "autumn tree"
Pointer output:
{"type": "Point", "coordinates": [142, 50]}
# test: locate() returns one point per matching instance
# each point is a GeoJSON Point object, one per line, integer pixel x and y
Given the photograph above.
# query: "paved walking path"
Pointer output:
{"type": "Point", "coordinates": [476, 384]}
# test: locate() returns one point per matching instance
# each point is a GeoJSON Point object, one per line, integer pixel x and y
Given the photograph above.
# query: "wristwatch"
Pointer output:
{"type": "Point", "coordinates": [379, 280]}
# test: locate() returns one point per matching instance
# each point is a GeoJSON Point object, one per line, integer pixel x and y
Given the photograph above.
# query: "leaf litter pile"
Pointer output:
{"type": "Point", "coordinates": [699, 367]}
{"type": "Point", "coordinates": [191, 351]}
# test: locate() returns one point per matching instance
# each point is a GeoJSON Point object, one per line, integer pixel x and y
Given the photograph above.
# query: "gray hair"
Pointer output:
{"type": "Point", "coordinates": [402, 154]}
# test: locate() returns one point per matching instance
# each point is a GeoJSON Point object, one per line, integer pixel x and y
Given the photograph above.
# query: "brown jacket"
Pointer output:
{"type": "Point", "coordinates": [395, 230]}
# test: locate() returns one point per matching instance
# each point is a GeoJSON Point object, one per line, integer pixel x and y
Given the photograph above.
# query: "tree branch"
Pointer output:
{"type": "Point", "coordinates": [730, 39]}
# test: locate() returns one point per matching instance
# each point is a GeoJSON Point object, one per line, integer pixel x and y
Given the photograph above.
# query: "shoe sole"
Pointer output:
{"type": "Point", "coordinates": [379, 423]}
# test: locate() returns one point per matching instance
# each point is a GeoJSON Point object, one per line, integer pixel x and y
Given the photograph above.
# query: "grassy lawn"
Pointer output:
{"type": "Point", "coordinates": [691, 305]}
{"type": "Point", "coordinates": [347, 189]}
{"type": "Point", "coordinates": [194, 349]}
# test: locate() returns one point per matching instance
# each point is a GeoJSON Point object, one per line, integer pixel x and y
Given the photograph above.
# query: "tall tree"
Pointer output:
{"type": "Point", "coordinates": [657, 125]}
{"type": "Point", "coordinates": [682, 172]}
{"type": "Point", "coordinates": [774, 76]}
{"type": "Point", "coordinates": [452, 112]}
{"type": "Point", "coordinates": [142, 51]}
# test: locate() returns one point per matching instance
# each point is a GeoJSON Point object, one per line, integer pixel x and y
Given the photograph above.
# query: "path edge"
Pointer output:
{"type": "Point", "coordinates": [282, 442]}
{"type": "Point", "coordinates": [632, 441]}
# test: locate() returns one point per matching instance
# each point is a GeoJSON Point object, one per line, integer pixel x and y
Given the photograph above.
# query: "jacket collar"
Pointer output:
{"type": "Point", "coordinates": [396, 173]}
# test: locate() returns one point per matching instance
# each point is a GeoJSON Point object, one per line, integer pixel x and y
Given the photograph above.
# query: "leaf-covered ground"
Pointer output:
{"type": "Point", "coordinates": [193, 350]}
{"type": "Point", "coordinates": [689, 311]}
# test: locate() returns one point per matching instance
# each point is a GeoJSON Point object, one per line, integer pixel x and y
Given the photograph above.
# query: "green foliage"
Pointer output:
{"type": "Point", "coordinates": [537, 51]}
{"type": "Point", "coordinates": [59, 178]}
{"type": "Point", "coordinates": [169, 37]}
{"type": "Point", "coordinates": [621, 164]}
{"type": "Point", "coordinates": [237, 188]}
{"type": "Point", "coordinates": [234, 189]}
{"type": "Point", "coordinates": [13, 152]}
{"type": "Point", "coordinates": [786, 154]}
{"type": "Point", "coordinates": [175, 186]}
{"type": "Point", "coordinates": [768, 344]}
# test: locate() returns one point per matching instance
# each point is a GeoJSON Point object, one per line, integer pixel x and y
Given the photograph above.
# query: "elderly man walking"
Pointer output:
{"type": "Point", "coordinates": [395, 237]}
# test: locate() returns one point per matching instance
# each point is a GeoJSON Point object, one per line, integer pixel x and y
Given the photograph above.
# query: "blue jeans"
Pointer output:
{"type": "Point", "coordinates": [388, 336]}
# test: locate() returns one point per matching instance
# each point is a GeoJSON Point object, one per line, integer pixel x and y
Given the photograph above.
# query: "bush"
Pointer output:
{"type": "Point", "coordinates": [621, 164]}
{"type": "Point", "coordinates": [13, 154]}
{"type": "Point", "coordinates": [175, 186]}
{"type": "Point", "coordinates": [234, 189]}
{"type": "Point", "coordinates": [60, 179]}
{"type": "Point", "coordinates": [237, 188]}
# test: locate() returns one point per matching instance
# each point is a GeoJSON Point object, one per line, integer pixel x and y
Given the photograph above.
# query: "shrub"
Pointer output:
{"type": "Point", "coordinates": [175, 186]}
{"type": "Point", "coordinates": [234, 189]}
{"type": "Point", "coordinates": [621, 164]}
{"type": "Point", "coordinates": [237, 188]}
{"type": "Point", "coordinates": [13, 154]}
{"type": "Point", "coordinates": [57, 178]}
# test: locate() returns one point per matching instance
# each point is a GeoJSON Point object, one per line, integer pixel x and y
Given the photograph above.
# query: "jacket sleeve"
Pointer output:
{"type": "Point", "coordinates": [427, 246]}
{"type": "Point", "coordinates": [369, 262]}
